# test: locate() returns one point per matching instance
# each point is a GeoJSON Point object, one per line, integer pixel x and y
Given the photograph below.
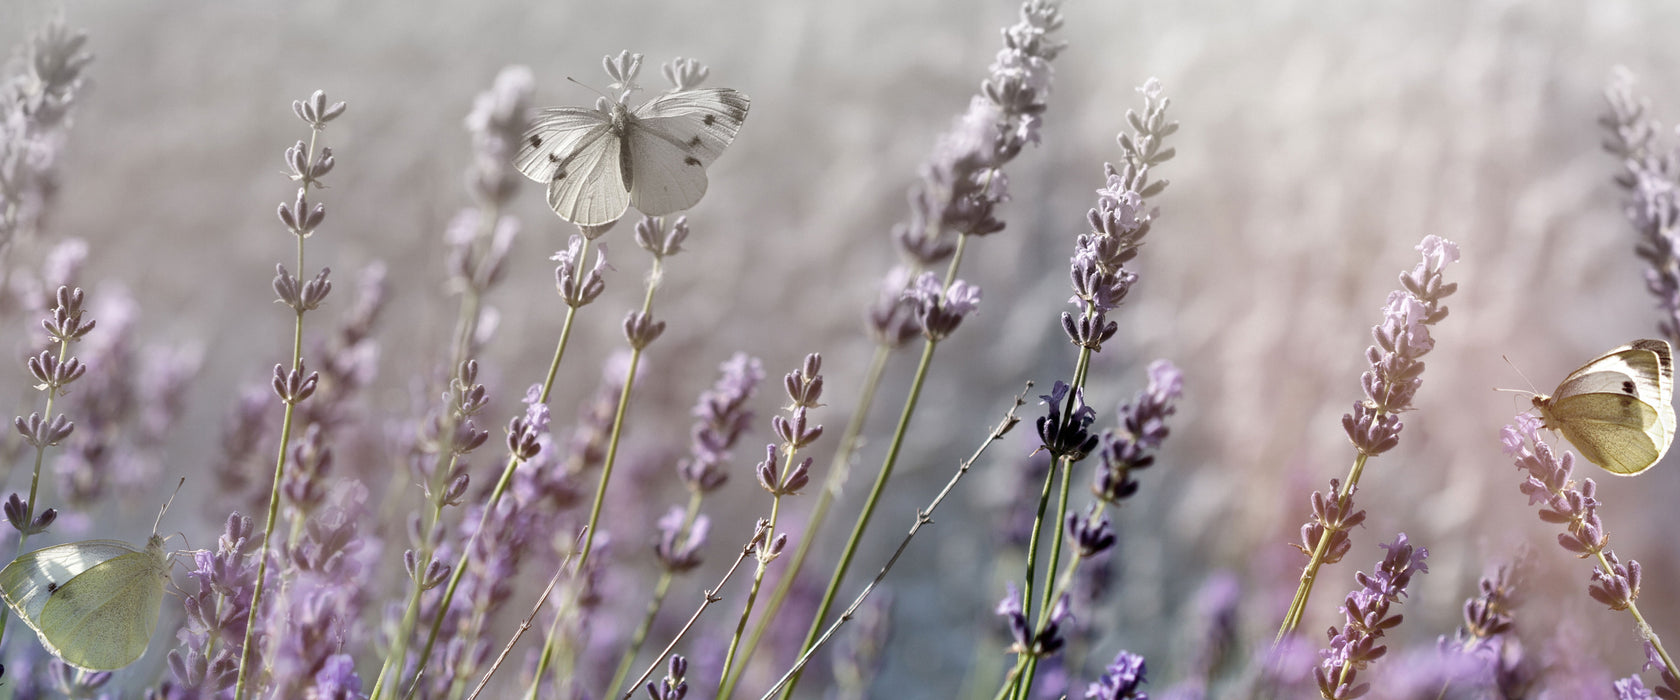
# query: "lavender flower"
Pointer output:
{"type": "Point", "coordinates": [1355, 645]}
{"type": "Point", "coordinates": [721, 415]}
{"type": "Point", "coordinates": [1650, 181]}
{"type": "Point", "coordinates": [1121, 680]}
{"type": "Point", "coordinates": [497, 123]}
{"type": "Point", "coordinates": [36, 101]}
{"type": "Point", "coordinates": [1043, 643]}
{"type": "Point", "coordinates": [207, 662]}
{"type": "Point", "coordinates": [679, 550]}
{"type": "Point", "coordinates": [940, 310]}
{"type": "Point", "coordinates": [1143, 428]}
{"type": "Point", "coordinates": [1066, 436]}
{"type": "Point", "coordinates": [1118, 224]}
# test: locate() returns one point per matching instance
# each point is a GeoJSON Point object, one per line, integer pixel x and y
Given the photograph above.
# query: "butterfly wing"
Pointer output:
{"type": "Point", "coordinates": [671, 140]}
{"type": "Point", "coordinates": [103, 619]}
{"type": "Point", "coordinates": [1665, 384]}
{"type": "Point", "coordinates": [1617, 410]}
{"type": "Point", "coordinates": [579, 154]}
{"type": "Point", "coordinates": [29, 581]}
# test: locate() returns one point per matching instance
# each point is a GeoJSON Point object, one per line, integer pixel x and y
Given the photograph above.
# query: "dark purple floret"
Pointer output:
{"type": "Point", "coordinates": [1142, 429]}
{"type": "Point", "coordinates": [674, 686]}
{"type": "Point", "coordinates": [1091, 533]}
{"type": "Point", "coordinates": [1064, 429]}
{"type": "Point", "coordinates": [1045, 642]}
{"type": "Point", "coordinates": [1123, 679]}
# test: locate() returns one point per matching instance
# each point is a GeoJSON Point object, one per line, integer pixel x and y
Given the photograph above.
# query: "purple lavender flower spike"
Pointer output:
{"type": "Point", "coordinates": [721, 416]}
{"type": "Point", "coordinates": [1142, 430]}
{"type": "Point", "coordinates": [1366, 618]}
{"type": "Point", "coordinates": [1650, 181]}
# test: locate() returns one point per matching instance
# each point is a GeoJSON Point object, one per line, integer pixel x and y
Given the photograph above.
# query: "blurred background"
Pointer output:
{"type": "Point", "coordinates": [1319, 143]}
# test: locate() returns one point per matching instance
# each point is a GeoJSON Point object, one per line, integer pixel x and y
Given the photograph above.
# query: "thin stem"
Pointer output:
{"type": "Point", "coordinates": [726, 682]}
{"type": "Point", "coordinates": [607, 464]}
{"type": "Point", "coordinates": [1644, 628]}
{"type": "Point", "coordinates": [711, 596]}
{"type": "Point", "coordinates": [279, 466]}
{"type": "Point", "coordinates": [923, 517]}
{"type": "Point", "coordinates": [868, 506]}
{"type": "Point", "coordinates": [1298, 607]}
{"type": "Point", "coordinates": [839, 468]}
{"type": "Point", "coordinates": [35, 479]}
{"type": "Point", "coordinates": [1065, 465]}
{"type": "Point", "coordinates": [523, 627]}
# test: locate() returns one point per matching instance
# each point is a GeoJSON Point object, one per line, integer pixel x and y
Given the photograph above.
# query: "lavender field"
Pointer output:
{"type": "Point", "coordinates": [1237, 249]}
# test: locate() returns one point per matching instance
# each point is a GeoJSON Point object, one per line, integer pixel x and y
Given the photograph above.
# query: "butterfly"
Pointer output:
{"type": "Point", "coordinates": [93, 603]}
{"type": "Point", "coordinates": [600, 162]}
{"type": "Point", "coordinates": [1618, 409]}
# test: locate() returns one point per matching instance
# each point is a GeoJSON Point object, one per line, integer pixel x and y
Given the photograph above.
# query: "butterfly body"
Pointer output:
{"type": "Point", "coordinates": [93, 603]}
{"type": "Point", "coordinates": [600, 162]}
{"type": "Point", "coordinates": [1618, 409]}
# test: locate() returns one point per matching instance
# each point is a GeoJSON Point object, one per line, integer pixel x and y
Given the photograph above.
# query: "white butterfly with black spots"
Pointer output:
{"type": "Point", "coordinates": [600, 162]}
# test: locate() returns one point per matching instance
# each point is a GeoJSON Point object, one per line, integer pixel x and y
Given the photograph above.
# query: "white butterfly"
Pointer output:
{"type": "Point", "coordinates": [93, 603]}
{"type": "Point", "coordinates": [599, 162]}
{"type": "Point", "coordinates": [1618, 409]}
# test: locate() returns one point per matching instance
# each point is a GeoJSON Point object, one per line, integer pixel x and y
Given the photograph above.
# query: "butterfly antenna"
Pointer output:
{"type": "Point", "coordinates": [1531, 389]}
{"type": "Point", "coordinates": [605, 96]}
{"type": "Point", "coordinates": [165, 508]}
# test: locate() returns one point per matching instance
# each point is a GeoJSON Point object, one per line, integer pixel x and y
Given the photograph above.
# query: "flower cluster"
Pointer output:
{"type": "Point", "coordinates": [963, 181]}
{"type": "Point", "coordinates": [1650, 181]}
{"type": "Point", "coordinates": [36, 101]}
{"type": "Point", "coordinates": [1118, 224]}
{"type": "Point", "coordinates": [1143, 427]}
{"type": "Point", "coordinates": [1402, 339]}
{"type": "Point", "coordinates": [1366, 618]}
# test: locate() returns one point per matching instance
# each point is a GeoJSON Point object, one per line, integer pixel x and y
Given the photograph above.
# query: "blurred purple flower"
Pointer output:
{"type": "Point", "coordinates": [1123, 679]}
{"type": "Point", "coordinates": [1366, 618]}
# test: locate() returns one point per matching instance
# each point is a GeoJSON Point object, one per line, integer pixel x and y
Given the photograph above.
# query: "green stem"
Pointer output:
{"type": "Point", "coordinates": [279, 472]}
{"type": "Point", "coordinates": [607, 464]}
{"type": "Point", "coordinates": [34, 480]}
{"type": "Point", "coordinates": [726, 682]}
{"type": "Point", "coordinates": [869, 505]}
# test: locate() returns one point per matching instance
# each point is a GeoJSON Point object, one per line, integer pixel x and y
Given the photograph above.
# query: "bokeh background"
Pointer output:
{"type": "Point", "coordinates": [1319, 143]}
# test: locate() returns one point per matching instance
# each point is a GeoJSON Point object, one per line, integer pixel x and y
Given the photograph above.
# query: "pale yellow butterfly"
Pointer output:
{"type": "Point", "coordinates": [1618, 409]}
{"type": "Point", "coordinates": [93, 603]}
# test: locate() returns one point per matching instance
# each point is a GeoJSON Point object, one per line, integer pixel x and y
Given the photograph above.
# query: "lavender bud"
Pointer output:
{"type": "Point", "coordinates": [641, 329]}
{"type": "Point", "coordinates": [1091, 533]}
{"type": "Point", "coordinates": [315, 111]}
{"type": "Point", "coordinates": [457, 490]}
{"type": "Point", "coordinates": [292, 386]}
{"type": "Point", "coordinates": [315, 291]}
